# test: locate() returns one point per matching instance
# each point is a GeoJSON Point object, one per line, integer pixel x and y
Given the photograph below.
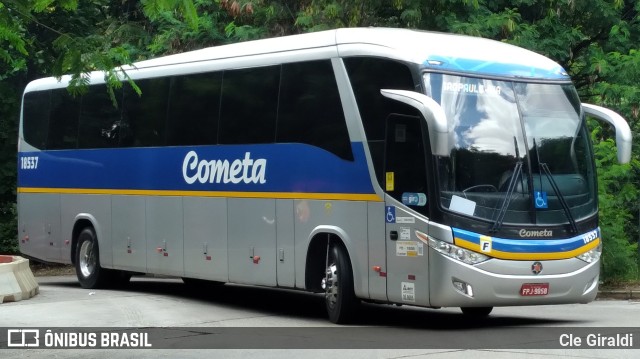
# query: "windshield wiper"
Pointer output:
{"type": "Point", "coordinates": [554, 185]}
{"type": "Point", "coordinates": [516, 173]}
{"type": "Point", "coordinates": [497, 224]}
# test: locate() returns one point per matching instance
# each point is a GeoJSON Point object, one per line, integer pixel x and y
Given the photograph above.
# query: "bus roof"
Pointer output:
{"type": "Point", "coordinates": [431, 50]}
{"type": "Point", "coordinates": [458, 53]}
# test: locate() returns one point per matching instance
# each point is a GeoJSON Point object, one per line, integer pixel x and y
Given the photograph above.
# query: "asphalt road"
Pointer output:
{"type": "Point", "coordinates": [263, 322]}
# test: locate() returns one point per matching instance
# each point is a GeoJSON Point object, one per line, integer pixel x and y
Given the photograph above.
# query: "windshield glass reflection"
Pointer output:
{"type": "Point", "coordinates": [500, 133]}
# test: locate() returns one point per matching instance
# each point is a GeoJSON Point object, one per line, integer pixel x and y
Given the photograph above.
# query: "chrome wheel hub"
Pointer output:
{"type": "Point", "coordinates": [87, 259]}
{"type": "Point", "coordinates": [330, 285]}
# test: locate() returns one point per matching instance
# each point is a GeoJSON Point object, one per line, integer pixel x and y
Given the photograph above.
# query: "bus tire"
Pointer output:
{"type": "Point", "coordinates": [340, 299]}
{"type": "Point", "coordinates": [87, 261]}
{"type": "Point", "coordinates": [476, 312]}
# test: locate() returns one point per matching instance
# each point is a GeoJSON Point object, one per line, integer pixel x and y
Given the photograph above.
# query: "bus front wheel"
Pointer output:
{"type": "Point", "coordinates": [340, 299]}
{"type": "Point", "coordinates": [476, 312]}
{"type": "Point", "coordinates": [87, 260]}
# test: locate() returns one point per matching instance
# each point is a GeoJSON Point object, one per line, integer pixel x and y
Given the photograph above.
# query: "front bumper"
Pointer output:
{"type": "Point", "coordinates": [570, 281]}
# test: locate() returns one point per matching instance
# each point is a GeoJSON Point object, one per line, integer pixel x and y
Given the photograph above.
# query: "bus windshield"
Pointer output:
{"type": "Point", "coordinates": [520, 152]}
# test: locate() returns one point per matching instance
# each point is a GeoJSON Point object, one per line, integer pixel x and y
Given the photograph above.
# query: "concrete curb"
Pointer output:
{"type": "Point", "coordinates": [624, 294]}
{"type": "Point", "coordinates": [16, 279]}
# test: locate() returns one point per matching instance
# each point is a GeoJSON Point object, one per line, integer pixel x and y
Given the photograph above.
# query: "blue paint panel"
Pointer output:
{"type": "Point", "coordinates": [495, 68]}
{"type": "Point", "coordinates": [288, 168]}
{"type": "Point", "coordinates": [526, 245]}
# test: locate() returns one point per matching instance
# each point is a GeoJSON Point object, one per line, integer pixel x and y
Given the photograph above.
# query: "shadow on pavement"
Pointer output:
{"type": "Point", "coordinates": [298, 304]}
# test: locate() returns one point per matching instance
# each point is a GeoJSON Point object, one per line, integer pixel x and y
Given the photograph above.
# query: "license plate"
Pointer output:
{"type": "Point", "coordinates": [534, 289]}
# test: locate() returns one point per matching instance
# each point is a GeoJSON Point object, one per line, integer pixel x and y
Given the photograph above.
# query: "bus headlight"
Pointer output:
{"type": "Point", "coordinates": [457, 253]}
{"type": "Point", "coordinates": [592, 255]}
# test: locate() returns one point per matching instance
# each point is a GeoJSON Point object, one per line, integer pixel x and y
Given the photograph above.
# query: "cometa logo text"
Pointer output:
{"type": "Point", "coordinates": [541, 233]}
{"type": "Point", "coordinates": [246, 170]}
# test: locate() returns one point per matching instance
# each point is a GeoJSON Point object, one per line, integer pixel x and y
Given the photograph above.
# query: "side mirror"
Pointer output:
{"type": "Point", "coordinates": [623, 132]}
{"type": "Point", "coordinates": [431, 112]}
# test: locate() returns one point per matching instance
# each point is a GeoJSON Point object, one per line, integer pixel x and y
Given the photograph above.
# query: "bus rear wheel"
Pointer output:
{"type": "Point", "coordinates": [340, 299]}
{"type": "Point", "coordinates": [87, 261]}
{"type": "Point", "coordinates": [476, 312]}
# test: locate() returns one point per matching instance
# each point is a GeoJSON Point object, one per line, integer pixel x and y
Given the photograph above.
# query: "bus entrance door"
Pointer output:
{"type": "Point", "coordinates": [406, 188]}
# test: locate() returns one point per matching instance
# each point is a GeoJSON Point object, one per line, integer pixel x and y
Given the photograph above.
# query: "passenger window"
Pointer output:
{"type": "Point", "coordinates": [35, 114]}
{"type": "Point", "coordinates": [194, 109]}
{"type": "Point", "coordinates": [63, 120]}
{"type": "Point", "coordinates": [100, 121]}
{"type": "Point", "coordinates": [310, 108]}
{"type": "Point", "coordinates": [145, 114]}
{"type": "Point", "coordinates": [249, 105]}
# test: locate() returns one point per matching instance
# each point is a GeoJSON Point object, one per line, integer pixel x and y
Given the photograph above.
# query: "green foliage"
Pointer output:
{"type": "Point", "coordinates": [320, 15]}
{"type": "Point", "coordinates": [13, 44]}
{"type": "Point", "coordinates": [217, 22]}
{"type": "Point", "coordinates": [8, 229]}
{"type": "Point", "coordinates": [8, 161]}
{"type": "Point", "coordinates": [8, 142]}
{"type": "Point", "coordinates": [85, 54]}
{"type": "Point", "coordinates": [157, 9]}
{"type": "Point", "coordinates": [43, 5]}
{"type": "Point", "coordinates": [617, 187]}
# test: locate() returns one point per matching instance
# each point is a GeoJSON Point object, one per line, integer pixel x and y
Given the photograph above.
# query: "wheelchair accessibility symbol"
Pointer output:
{"type": "Point", "coordinates": [390, 214]}
{"type": "Point", "coordinates": [541, 199]}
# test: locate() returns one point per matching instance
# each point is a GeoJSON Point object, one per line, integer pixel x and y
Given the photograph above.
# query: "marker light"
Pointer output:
{"type": "Point", "coordinates": [455, 252]}
{"type": "Point", "coordinates": [463, 287]}
{"type": "Point", "coordinates": [435, 62]}
{"type": "Point", "coordinates": [592, 255]}
{"type": "Point", "coordinates": [593, 283]}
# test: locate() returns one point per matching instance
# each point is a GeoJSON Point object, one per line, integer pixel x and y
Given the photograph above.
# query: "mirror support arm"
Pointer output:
{"type": "Point", "coordinates": [623, 132]}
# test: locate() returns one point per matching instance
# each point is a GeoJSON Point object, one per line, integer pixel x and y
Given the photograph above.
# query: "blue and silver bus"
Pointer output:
{"type": "Point", "coordinates": [380, 165]}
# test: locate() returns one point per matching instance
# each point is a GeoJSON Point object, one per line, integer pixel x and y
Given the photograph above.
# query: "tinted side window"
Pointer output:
{"type": "Point", "coordinates": [35, 118]}
{"type": "Point", "coordinates": [249, 105]}
{"type": "Point", "coordinates": [368, 76]}
{"type": "Point", "coordinates": [310, 108]}
{"type": "Point", "coordinates": [194, 109]}
{"type": "Point", "coordinates": [146, 114]}
{"type": "Point", "coordinates": [63, 120]}
{"type": "Point", "coordinates": [100, 120]}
